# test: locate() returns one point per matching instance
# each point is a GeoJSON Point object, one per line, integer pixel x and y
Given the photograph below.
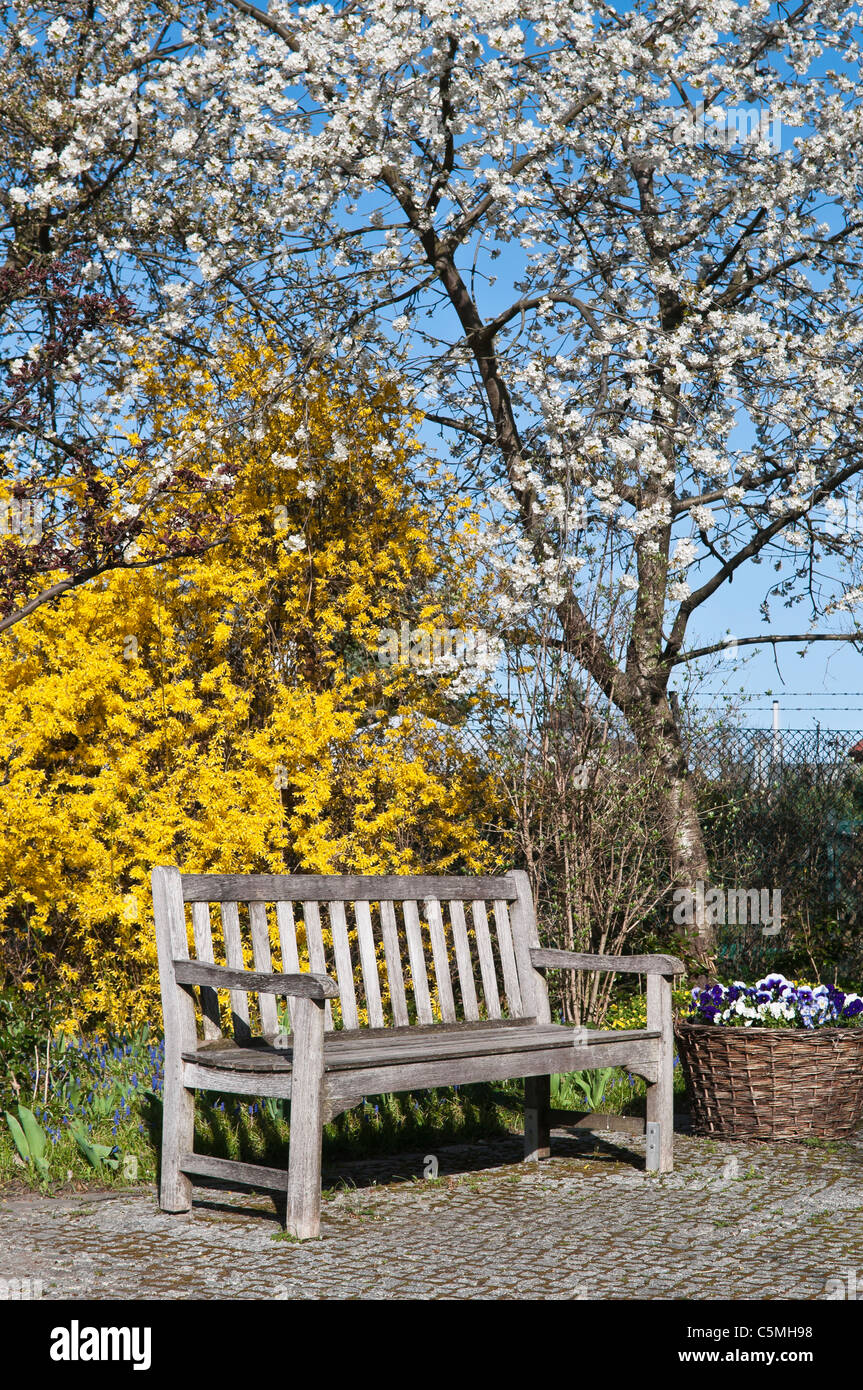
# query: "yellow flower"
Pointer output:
{"type": "Point", "coordinates": [248, 725]}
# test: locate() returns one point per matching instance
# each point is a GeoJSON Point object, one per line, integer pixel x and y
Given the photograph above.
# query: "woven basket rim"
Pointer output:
{"type": "Point", "coordinates": [798, 1032]}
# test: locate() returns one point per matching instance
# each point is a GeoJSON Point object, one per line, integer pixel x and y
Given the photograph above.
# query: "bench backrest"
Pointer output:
{"type": "Point", "coordinates": [406, 949]}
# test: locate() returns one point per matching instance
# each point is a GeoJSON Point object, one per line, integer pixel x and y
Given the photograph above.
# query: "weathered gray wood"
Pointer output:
{"type": "Point", "coordinates": [268, 888]}
{"type": "Point", "coordinates": [307, 1118]}
{"type": "Point", "coordinates": [315, 943]}
{"type": "Point", "coordinates": [357, 1052]}
{"type": "Point", "coordinates": [369, 964]}
{"type": "Point", "coordinates": [482, 936]}
{"type": "Point", "coordinates": [305, 985]}
{"type": "Point", "coordinates": [457, 1071]}
{"type": "Point", "coordinates": [203, 931]}
{"type": "Point", "coordinates": [440, 957]}
{"type": "Point", "coordinates": [243, 1174]}
{"type": "Point", "coordinates": [347, 1050]}
{"type": "Point", "coordinates": [463, 960]}
{"type": "Point", "coordinates": [239, 1083]}
{"type": "Point", "coordinates": [234, 957]}
{"type": "Point", "coordinates": [263, 963]}
{"type": "Point", "coordinates": [178, 1012]}
{"type": "Point", "coordinates": [507, 959]}
{"type": "Point", "coordinates": [636, 965]}
{"type": "Point", "coordinates": [436, 1029]}
{"type": "Point", "coordinates": [325, 1072]}
{"type": "Point", "coordinates": [419, 970]}
{"type": "Point", "coordinates": [660, 1096]}
{"type": "Point", "coordinates": [537, 1139]}
{"type": "Point", "coordinates": [534, 990]}
{"type": "Point", "coordinates": [344, 964]}
{"type": "Point", "coordinates": [288, 941]}
{"type": "Point", "coordinates": [393, 957]}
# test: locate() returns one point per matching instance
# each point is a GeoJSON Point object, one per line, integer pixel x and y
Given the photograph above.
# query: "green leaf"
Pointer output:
{"type": "Point", "coordinates": [18, 1137]}
{"type": "Point", "coordinates": [34, 1132]}
{"type": "Point", "coordinates": [96, 1154]}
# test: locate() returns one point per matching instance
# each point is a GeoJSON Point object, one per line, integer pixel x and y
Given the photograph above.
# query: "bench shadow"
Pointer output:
{"type": "Point", "coordinates": [600, 1150]}
{"type": "Point", "coordinates": [454, 1160]}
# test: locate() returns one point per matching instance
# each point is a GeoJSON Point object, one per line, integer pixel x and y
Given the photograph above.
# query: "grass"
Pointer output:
{"type": "Point", "coordinates": [110, 1091]}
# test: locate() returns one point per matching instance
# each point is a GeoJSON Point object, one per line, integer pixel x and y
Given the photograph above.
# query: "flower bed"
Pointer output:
{"type": "Point", "coordinates": [773, 1060]}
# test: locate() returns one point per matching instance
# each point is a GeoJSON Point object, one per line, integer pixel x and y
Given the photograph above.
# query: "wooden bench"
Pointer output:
{"type": "Point", "coordinates": [374, 1006]}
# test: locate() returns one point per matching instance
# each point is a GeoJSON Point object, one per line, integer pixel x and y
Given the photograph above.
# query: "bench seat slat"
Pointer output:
{"type": "Point", "coordinates": [344, 1052]}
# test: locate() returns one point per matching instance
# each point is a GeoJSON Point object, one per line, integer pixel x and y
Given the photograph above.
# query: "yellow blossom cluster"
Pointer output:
{"type": "Point", "coordinates": [229, 713]}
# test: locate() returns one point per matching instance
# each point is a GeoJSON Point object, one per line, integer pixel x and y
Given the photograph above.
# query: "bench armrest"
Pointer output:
{"type": "Point", "coordinates": [638, 965]}
{"type": "Point", "coordinates": [307, 986]}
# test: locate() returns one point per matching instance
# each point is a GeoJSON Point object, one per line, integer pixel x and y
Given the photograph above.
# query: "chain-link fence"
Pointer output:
{"type": "Point", "coordinates": [782, 810]}
{"type": "Point", "coordinates": [760, 758]}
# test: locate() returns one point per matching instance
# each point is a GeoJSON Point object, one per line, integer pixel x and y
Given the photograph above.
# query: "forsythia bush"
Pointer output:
{"type": "Point", "coordinates": [230, 713]}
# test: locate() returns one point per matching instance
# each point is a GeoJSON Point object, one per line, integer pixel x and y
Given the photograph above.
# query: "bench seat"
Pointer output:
{"type": "Point", "coordinates": [366, 1047]}
{"type": "Point", "coordinates": [387, 985]}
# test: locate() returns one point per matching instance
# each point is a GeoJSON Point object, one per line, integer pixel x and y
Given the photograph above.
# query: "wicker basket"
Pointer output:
{"type": "Point", "coordinates": [772, 1083]}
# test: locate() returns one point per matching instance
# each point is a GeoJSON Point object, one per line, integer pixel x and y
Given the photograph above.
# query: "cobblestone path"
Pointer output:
{"type": "Point", "coordinates": [586, 1224]}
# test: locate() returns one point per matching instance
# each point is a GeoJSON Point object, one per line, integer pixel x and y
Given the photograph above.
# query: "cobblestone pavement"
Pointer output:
{"type": "Point", "coordinates": [750, 1221]}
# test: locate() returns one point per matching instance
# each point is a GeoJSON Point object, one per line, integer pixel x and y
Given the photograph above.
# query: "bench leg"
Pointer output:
{"type": "Point", "coordinates": [178, 1138]}
{"type": "Point", "coordinates": [537, 1100]}
{"type": "Point", "coordinates": [660, 1095]}
{"type": "Point", "coordinates": [307, 1086]}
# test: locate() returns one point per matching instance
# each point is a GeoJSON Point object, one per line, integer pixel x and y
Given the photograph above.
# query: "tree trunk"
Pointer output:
{"type": "Point", "coordinates": [659, 741]}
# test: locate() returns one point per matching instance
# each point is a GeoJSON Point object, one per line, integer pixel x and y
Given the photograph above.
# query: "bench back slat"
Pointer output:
{"type": "Point", "coordinates": [344, 965]}
{"type": "Point", "coordinates": [419, 969]}
{"type": "Point", "coordinates": [203, 932]}
{"type": "Point", "coordinates": [402, 949]}
{"type": "Point", "coordinates": [507, 958]}
{"type": "Point", "coordinates": [263, 962]}
{"type": "Point", "coordinates": [395, 969]}
{"type": "Point", "coordinates": [486, 958]}
{"type": "Point", "coordinates": [464, 964]}
{"type": "Point", "coordinates": [369, 964]}
{"type": "Point", "coordinates": [234, 958]}
{"type": "Point", "coordinates": [315, 945]}
{"type": "Point", "coordinates": [288, 944]}
{"type": "Point", "coordinates": [440, 956]}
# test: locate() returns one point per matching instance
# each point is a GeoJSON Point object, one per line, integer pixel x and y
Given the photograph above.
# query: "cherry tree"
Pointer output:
{"type": "Point", "coordinates": [81, 490]}
{"type": "Point", "coordinates": [612, 254]}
